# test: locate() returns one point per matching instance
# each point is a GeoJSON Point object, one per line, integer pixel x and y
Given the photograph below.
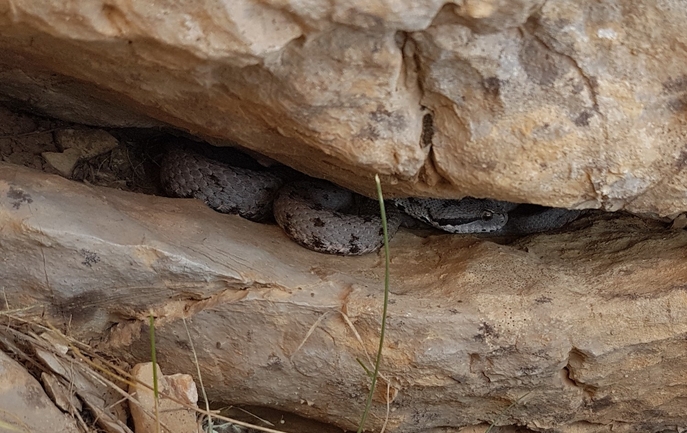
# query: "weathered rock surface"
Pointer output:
{"type": "Point", "coordinates": [96, 391]}
{"type": "Point", "coordinates": [24, 406]}
{"type": "Point", "coordinates": [586, 327]}
{"type": "Point", "coordinates": [575, 104]}
{"type": "Point", "coordinates": [173, 417]}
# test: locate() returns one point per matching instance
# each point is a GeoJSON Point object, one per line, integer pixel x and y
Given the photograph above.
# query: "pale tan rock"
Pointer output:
{"type": "Point", "coordinates": [24, 406]}
{"type": "Point", "coordinates": [60, 394]}
{"type": "Point", "coordinates": [78, 144]}
{"type": "Point", "coordinates": [172, 416]}
{"type": "Point", "coordinates": [575, 104]}
{"type": "Point", "coordinates": [56, 341]}
{"type": "Point", "coordinates": [680, 222]}
{"type": "Point", "coordinates": [183, 387]}
{"type": "Point", "coordinates": [582, 330]}
{"type": "Point", "coordinates": [63, 162]}
{"type": "Point", "coordinates": [89, 142]}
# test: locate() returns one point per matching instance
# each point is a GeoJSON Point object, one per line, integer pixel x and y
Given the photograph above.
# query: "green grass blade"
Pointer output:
{"type": "Point", "coordinates": [153, 359]}
{"type": "Point", "coordinates": [153, 353]}
{"type": "Point", "coordinates": [378, 360]}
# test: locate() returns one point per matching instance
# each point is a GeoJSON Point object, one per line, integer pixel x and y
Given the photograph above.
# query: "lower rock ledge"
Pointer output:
{"type": "Point", "coordinates": [585, 327]}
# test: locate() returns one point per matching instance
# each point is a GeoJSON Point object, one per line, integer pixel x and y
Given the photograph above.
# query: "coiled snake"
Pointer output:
{"type": "Point", "coordinates": [325, 218]}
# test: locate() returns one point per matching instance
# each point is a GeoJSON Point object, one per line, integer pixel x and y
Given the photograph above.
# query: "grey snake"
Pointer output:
{"type": "Point", "coordinates": [326, 218]}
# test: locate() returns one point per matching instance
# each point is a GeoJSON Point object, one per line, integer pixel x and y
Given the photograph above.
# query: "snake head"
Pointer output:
{"type": "Point", "coordinates": [468, 215]}
{"type": "Point", "coordinates": [486, 222]}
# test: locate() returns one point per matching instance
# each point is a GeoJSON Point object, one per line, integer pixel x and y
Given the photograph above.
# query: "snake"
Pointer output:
{"type": "Point", "coordinates": [326, 218]}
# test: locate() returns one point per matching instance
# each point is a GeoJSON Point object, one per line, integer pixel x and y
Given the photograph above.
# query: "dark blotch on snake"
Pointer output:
{"type": "Point", "coordinates": [353, 243]}
{"type": "Point", "coordinates": [316, 242]}
{"type": "Point", "coordinates": [288, 229]}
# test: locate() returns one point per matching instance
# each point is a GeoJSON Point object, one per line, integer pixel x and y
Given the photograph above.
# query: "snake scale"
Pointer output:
{"type": "Point", "coordinates": [325, 218]}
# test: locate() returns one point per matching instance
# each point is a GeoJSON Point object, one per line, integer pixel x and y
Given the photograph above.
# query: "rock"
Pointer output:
{"type": "Point", "coordinates": [78, 144]}
{"type": "Point", "coordinates": [680, 222]}
{"type": "Point", "coordinates": [565, 104]}
{"type": "Point", "coordinates": [183, 388]}
{"type": "Point", "coordinates": [63, 162]}
{"type": "Point", "coordinates": [578, 330]}
{"type": "Point", "coordinates": [24, 406]}
{"type": "Point", "coordinates": [89, 142]}
{"type": "Point", "coordinates": [60, 394]}
{"type": "Point", "coordinates": [173, 417]}
{"type": "Point", "coordinates": [50, 94]}
{"type": "Point", "coordinates": [97, 395]}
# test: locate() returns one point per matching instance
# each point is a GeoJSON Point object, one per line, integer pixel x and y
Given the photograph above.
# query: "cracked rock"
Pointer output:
{"type": "Point", "coordinates": [573, 323]}
{"type": "Point", "coordinates": [566, 104]}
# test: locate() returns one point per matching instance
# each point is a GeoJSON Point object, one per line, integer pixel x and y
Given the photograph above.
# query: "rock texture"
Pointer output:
{"type": "Point", "coordinates": [24, 406]}
{"type": "Point", "coordinates": [78, 145]}
{"type": "Point", "coordinates": [574, 104]}
{"type": "Point", "coordinates": [582, 329]}
{"type": "Point", "coordinates": [166, 415]}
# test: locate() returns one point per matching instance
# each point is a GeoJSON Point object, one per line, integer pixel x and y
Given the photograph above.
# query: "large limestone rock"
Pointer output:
{"type": "Point", "coordinates": [581, 330]}
{"type": "Point", "coordinates": [578, 104]}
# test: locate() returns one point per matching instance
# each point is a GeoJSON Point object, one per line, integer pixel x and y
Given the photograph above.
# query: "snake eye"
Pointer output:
{"type": "Point", "coordinates": [487, 215]}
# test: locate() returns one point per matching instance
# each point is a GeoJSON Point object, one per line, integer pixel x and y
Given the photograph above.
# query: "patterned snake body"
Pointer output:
{"type": "Point", "coordinates": [468, 215]}
{"type": "Point", "coordinates": [325, 218]}
{"type": "Point", "coordinates": [223, 187]}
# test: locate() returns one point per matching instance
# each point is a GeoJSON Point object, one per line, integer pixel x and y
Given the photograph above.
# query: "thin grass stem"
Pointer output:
{"type": "Point", "coordinates": [378, 360]}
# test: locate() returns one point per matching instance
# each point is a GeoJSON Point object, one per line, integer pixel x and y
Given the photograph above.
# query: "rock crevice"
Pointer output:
{"type": "Point", "coordinates": [472, 323]}
{"type": "Point", "coordinates": [531, 101]}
